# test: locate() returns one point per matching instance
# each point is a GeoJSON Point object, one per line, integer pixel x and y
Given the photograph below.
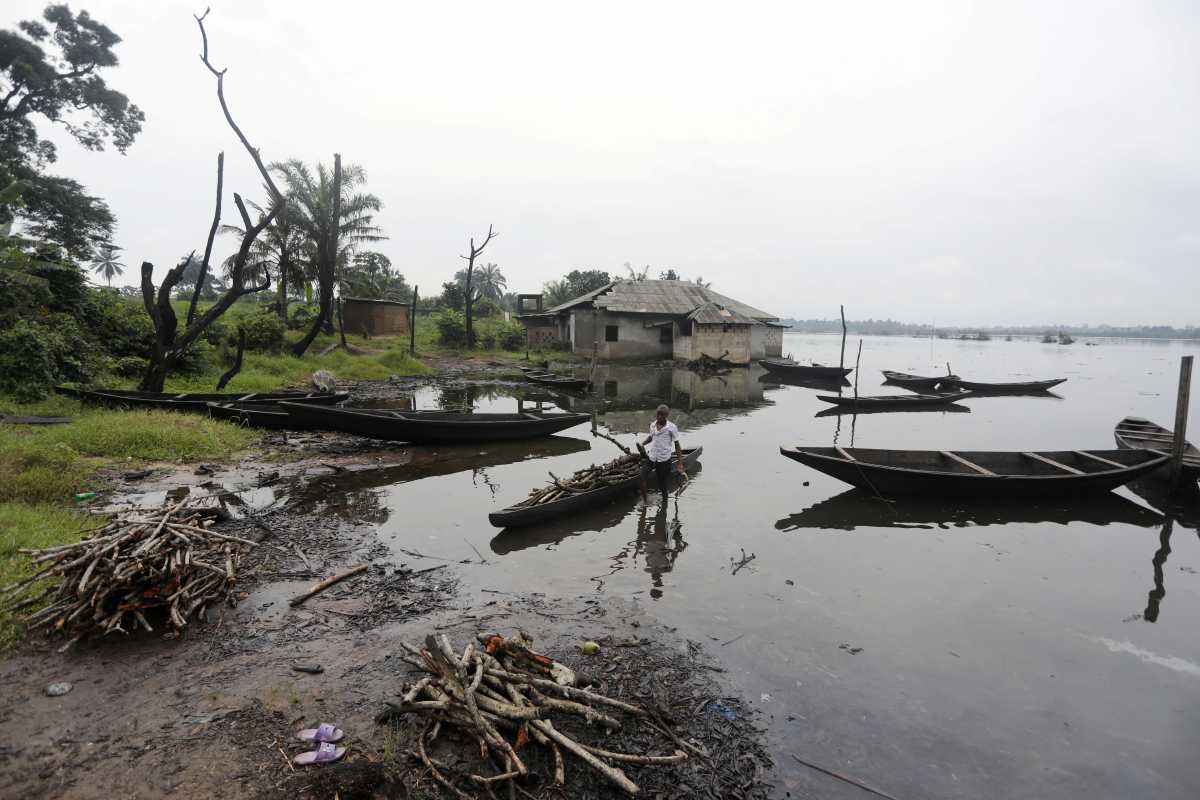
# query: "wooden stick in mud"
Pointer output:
{"type": "Point", "coordinates": [325, 584]}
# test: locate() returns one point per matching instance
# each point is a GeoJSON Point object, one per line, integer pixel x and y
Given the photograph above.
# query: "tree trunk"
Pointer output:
{"type": "Point", "coordinates": [326, 264]}
{"type": "Point", "coordinates": [469, 303]}
{"type": "Point", "coordinates": [285, 265]}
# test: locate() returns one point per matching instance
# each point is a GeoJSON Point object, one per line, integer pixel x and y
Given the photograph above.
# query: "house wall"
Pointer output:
{"type": "Point", "coordinates": [766, 341]}
{"type": "Point", "coordinates": [541, 332]}
{"type": "Point", "coordinates": [583, 330]}
{"type": "Point", "coordinates": [377, 318]}
{"type": "Point", "coordinates": [634, 339]}
{"type": "Point", "coordinates": [714, 340]}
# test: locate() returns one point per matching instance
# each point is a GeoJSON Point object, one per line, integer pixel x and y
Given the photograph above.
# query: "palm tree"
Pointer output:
{"type": "Point", "coordinates": [637, 274]}
{"type": "Point", "coordinates": [556, 293]}
{"type": "Point", "coordinates": [107, 264]}
{"type": "Point", "coordinates": [491, 282]}
{"type": "Point", "coordinates": [311, 200]}
{"type": "Point", "coordinates": [277, 250]}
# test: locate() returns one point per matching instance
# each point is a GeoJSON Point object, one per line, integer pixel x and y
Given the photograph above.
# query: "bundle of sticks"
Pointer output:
{"type": "Point", "coordinates": [143, 563]}
{"type": "Point", "coordinates": [618, 470]}
{"type": "Point", "coordinates": [500, 686]}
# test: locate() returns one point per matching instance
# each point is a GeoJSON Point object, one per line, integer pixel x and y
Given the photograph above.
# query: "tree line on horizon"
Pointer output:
{"type": "Point", "coordinates": [891, 327]}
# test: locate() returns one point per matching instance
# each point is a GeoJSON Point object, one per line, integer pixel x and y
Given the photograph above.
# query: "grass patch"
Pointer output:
{"type": "Point", "coordinates": [23, 526]}
{"type": "Point", "coordinates": [427, 343]}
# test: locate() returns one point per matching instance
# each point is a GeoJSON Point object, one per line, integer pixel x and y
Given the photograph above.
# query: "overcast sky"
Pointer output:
{"type": "Point", "coordinates": [969, 163]}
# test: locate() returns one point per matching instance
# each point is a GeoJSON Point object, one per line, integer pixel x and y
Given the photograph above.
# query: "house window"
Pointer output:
{"type": "Point", "coordinates": [610, 388]}
{"type": "Point", "coordinates": [685, 328]}
{"type": "Point", "coordinates": [664, 335]}
{"type": "Point", "coordinates": [610, 333]}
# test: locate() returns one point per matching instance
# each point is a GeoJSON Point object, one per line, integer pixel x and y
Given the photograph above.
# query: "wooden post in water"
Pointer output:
{"type": "Point", "coordinates": [412, 325]}
{"type": "Point", "coordinates": [1181, 415]}
{"type": "Point", "coordinates": [857, 361]}
{"type": "Point", "coordinates": [842, 360]}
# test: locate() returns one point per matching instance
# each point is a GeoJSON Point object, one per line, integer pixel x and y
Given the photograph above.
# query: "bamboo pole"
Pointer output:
{"type": "Point", "coordinates": [1181, 414]}
{"type": "Point", "coordinates": [412, 325]}
{"type": "Point", "coordinates": [842, 360]}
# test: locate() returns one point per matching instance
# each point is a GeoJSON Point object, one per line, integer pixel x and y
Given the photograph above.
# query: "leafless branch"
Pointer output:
{"type": "Point", "coordinates": [212, 234]}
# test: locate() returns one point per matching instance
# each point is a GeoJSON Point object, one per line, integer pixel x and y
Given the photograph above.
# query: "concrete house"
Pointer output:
{"type": "Point", "coordinates": [657, 319]}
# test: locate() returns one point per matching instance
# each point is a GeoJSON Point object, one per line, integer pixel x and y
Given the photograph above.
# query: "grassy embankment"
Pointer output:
{"type": "Point", "coordinates": [42, 468]}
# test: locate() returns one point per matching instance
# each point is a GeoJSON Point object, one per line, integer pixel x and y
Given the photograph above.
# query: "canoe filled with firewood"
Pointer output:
{"type": "Point", "coordinates": [587, 488]}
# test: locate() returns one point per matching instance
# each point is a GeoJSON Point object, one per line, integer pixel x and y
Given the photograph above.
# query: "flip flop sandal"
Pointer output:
{"type": "Point", "coordinates": [324, 753]}
{"type": "Point", "coordinates": [322, 733]}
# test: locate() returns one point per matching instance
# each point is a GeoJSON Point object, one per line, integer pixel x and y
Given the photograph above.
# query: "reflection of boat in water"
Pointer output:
{"type": "Point", "coordinates": [948, 408]}
{"type": "Point", "coordinates": [820, 384]}
{"type": "Point", "coordinates": [859, 508]}
{"type": "Point", "coordinates": [427, 462]}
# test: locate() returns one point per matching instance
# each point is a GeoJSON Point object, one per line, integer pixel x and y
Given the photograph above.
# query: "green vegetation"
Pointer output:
{"type": "Point", "coordinates": [25, 526]}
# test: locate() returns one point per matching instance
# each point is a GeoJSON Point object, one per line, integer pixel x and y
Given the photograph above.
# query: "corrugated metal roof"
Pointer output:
{"type": "Point", "coordinates": [714, 314]}
{"type": "Point", "coordinates": [663, 297]}
{"type": "Point", "coordinates": [583, 298]}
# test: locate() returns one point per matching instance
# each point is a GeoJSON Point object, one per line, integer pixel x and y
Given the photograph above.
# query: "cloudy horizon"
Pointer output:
{"type": "Point", "coordinates": [1008, 164]}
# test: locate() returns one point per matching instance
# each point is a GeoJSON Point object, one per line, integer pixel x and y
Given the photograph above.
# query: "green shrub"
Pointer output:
{"type": "Point", "coordinates": [119, 324]}
{"type": "Point", "coordinates": [485, 307]}
{"type": "Point", "coordinates": [452, 327]}
{"type": "Point", "coordinates": [35, 355]}
{"type": "Point", "coordinates": [487, 340]}
{"type": "Point", "coordinates": [265, 331]}
{"type": "Point", "coordinates": [302, 315]}
{"type": "Point", "coordinates": [510, 335]}
{"type": "Point", "coordinates": [129, 366]}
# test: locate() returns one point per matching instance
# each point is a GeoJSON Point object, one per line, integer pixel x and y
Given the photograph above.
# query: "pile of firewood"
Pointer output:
{"type": "Point", "coordinates": [618, 470]}
{"type": "Point", "coordinates": [163, 564]}
{"type": "Point", "coordinates": [502, 687]}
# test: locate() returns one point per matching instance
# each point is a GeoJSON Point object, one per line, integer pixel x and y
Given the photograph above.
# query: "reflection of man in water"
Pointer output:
{"type": "Point", "coordinates": [662, 543]}
{"type": "Point", "coordinates": [663, 434]}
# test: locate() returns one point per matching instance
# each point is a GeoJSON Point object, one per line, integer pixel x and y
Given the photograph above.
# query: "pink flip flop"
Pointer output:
{"type": "Point", "coordinates": [324, 753]}
{"type": "Point", "coordinates": [322, 733]}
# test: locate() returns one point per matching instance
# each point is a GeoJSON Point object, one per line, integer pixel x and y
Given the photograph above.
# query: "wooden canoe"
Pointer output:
{"type": "Point", "coordinates": [251, 415]}
{"type": "Point", "coordinates": [1019, 387]}
{"type": "Point", "coordinates": [195, 401]}
{"type": "Point", "coordinates": [523, 514]}
{"type": "Point", "coordinates": [922, 383]}
{"type": "Point", "coordinates": [893, 402]}
{"type": "Point", "coordinates": [560, 381]}
{"type": "Point", "coordinates": [1136, 433]}
{"type": "Point", "coordinates": [948, 408]}
{"type": "Point", "coordinates": [979, 473]}
{"type": "Point", "coordinates": [792, 369]}
{"type": "Point", "coordinates": [431, 427]}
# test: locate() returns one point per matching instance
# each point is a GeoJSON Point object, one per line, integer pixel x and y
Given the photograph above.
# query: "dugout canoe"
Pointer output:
{"type": "Point", "coordinates": [431, 427]}
{"type": "Point", "coordinates": [1136, 433]}
{"type": "Point", "coordinates": [195, 401]}
{"type": "Point", "coordinates": [995, 474]}
{"type": "Point", "coordinates": [1018, 387]}
{"type": "Point", "coordinates": [780, 366]}
{"type": "Point", "coordinates": [251, 415]}
{"type": "Point", "coordinates": [893, 402]}
{"type": "Point", "coordinates": [922, 383]}
{"type": "Point", "coordinates": [560, 381]}
{"type": "Point", "coordinates": [523, 514]}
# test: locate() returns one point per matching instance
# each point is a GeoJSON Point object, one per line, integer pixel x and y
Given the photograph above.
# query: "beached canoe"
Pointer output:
{"type": "Point", "coordinates": [431, 427]}
{"type": "Point", "coordinates": [922, 383]}
{"type": "Point", "coordinates": [194, 401]}
{"type": "Point", "coordinates": [1136, 433]}
{"type": "Point", "coordinates": [790, 368]}
{"type": "Point", "coordinates": [979, 473]}
{"type": "Point", "coordinates": [1018, 387]}
{"type": "Point", "coordinates": [893, 402]}
{"type": "Point", "coordinates": [251, 415]}
{"type": "Point", "coordinates": [523, 513]}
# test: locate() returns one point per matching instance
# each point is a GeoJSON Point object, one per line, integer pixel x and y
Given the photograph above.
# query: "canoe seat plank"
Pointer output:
{"type": "Point", "coordinates": [1054, 463]}
{"type": "Point", "coordinates": [966, 462]}
{"type": "Point", "coordinates": [843, 453]}
{"type": "Point", "coordinates": [1098, 458]}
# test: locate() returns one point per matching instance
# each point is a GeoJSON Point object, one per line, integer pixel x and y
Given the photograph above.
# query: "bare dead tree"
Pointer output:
{"type": "Point", "coordinates": [212, 232]}
{"type": "Point", "coordinates": [470, 298]}
{"type": "Point", "coordinates": [169, 345]}
{"type": "Point", "coordinates": [327, 253]}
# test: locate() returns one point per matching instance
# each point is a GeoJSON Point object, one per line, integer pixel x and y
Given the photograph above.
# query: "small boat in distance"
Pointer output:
{"type": "Point", "coordinates": [1018, 387]}
{"type": "Point", "coordinates": [792, 369]}
{"type": "Point", "coordinates": [915, 382]}
{"type": "Point", "coordinates": [893, 402]}
{"type": "Point", "coordinates": [979, 473]}
{"type": "Point", "coordinates": [431, 427]}
{"type": "Point", "coordinates": [528, 513]}
{"type": "Point", "coordinates": [1136, 433]}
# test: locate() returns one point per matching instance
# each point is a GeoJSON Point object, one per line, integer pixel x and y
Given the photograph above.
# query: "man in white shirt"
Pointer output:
{"type": "Point", "coordinates": [663, 435]}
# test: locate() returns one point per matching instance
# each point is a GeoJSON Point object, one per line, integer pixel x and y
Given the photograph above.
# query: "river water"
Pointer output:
{"type": "Point", "coordinates": [932, 650]}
